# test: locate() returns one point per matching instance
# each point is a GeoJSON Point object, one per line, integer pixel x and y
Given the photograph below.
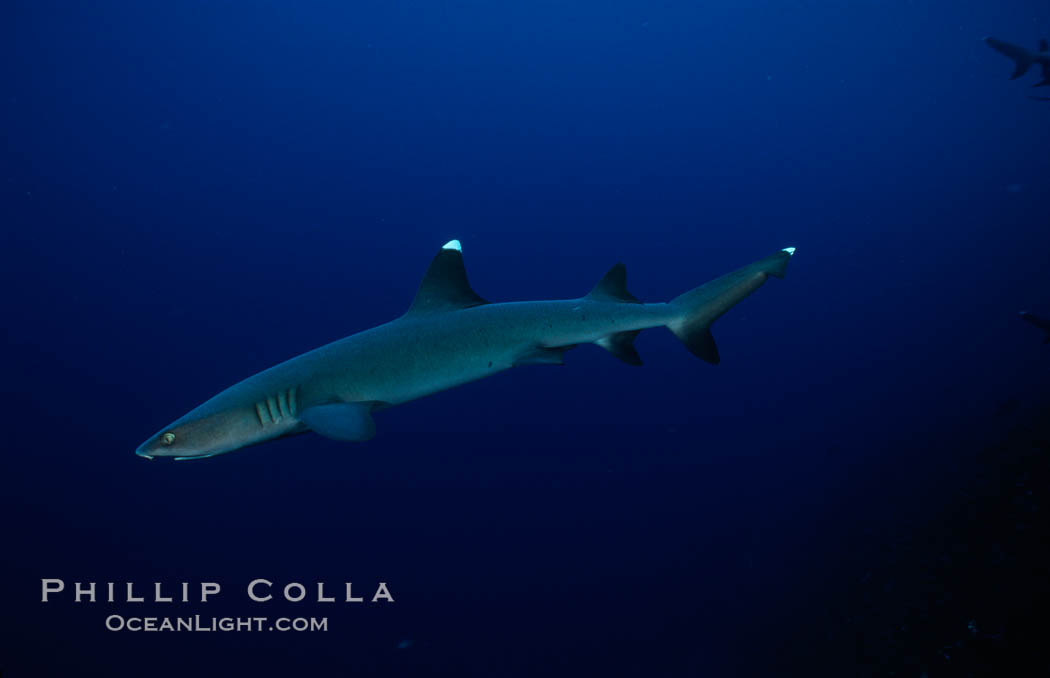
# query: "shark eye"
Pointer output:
{"type": "Point", "coordinates": [168, 438]}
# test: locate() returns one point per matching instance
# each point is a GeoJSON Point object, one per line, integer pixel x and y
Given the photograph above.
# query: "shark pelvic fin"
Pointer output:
{"type": "Point", "coordinates": [341, 421]}
{"type": "Point", "coordinates": [445, 286]}
{"type": "Point", "coordinates": [613, 287]}
{"type": "Point", "coordinates": [621, 345]}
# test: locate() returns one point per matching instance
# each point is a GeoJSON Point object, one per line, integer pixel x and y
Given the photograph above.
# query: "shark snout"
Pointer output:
{"type": "Point", "coordinates": [153, 448]}
{"type": "Point", "coordinates": [156, 448]}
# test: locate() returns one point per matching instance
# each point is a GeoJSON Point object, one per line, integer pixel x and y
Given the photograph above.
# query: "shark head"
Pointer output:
{"type": "Point", "coordinates": [198, 437]}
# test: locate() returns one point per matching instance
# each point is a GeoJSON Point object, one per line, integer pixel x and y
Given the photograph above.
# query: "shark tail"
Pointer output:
{"type": "Point", "coordinates": [1023, 58]}
{"type": "Point", "coordinates": [698, 308]}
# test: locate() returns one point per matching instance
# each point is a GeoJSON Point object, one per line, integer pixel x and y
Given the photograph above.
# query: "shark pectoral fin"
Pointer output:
{"type": "Point", "coordinates": [341, 421]}
{"type": "Point", "coordinates": [541, 355]}
{"type": "Point", "coordinates": [621, 345]}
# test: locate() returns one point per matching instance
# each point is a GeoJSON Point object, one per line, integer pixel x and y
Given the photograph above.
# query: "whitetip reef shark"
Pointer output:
{"type": "Point", "coordinates": [449, 336]}
{"type": "Point", "coordinates": [1024, 59]}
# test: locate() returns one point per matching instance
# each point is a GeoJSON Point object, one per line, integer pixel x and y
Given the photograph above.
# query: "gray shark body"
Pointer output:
{"type": "Point", "coordinates": [449, 336]}
{"type": "Point", "coordinates": [1025, 58]}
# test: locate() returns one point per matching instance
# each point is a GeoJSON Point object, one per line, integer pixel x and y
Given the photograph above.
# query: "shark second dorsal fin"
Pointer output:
{"type": "Point", "coordinates": [613, 287]}
{"type": "Point", "coordinates": [445, 286]}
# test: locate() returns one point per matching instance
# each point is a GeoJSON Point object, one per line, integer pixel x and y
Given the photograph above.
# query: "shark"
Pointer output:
{"type": "Point", "coordinates": [1025, 58]}
{"type": "Point", "coordinates": [449, 336]}
{"type": "Point", "coordinates": [1037, 321]}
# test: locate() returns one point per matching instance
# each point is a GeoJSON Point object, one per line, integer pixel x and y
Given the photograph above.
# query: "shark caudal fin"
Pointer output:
{"type": "Point", "coordinates": [1022, 57]}
{"type": "Point", "coordinates": [697, 309]}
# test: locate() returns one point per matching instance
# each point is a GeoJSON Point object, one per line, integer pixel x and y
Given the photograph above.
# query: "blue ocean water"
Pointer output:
{"type": "Point", "coordinates": [195, 191]}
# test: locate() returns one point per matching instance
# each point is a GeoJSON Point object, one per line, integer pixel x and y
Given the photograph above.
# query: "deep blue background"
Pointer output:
{"type": "Point", "coordinates": [195, 191]}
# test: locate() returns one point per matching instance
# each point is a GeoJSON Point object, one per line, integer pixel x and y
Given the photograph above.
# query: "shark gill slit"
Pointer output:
{"type": "Point", "coordinates": [259, 413]}
{"type": "Point", "coordinates": [275, 408]}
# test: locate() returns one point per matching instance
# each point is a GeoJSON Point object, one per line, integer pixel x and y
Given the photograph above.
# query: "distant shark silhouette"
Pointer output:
{"type": "Point", "coordinates": [1038, 321]}
{"type": "Point", "coordinates": [1024, 59]}
{"type": "Point", "coordinates": [449, 336]}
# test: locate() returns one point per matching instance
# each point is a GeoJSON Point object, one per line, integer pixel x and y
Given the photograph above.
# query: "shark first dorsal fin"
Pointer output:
{"type": "Point", "coordinates": [445, 286]}
{"type": "Point", "coordinates": [613, 287]}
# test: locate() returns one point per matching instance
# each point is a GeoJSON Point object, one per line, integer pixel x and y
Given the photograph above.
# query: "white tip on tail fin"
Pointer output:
{"type": "Point", "coordinates": [789, 250]}
{"type": "Point", "coordinates": [453, 245]}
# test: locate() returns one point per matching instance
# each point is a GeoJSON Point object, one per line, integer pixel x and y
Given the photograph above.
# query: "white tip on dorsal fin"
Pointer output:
{"type": "Point", "coordinates": [453, 245]}
{"type": "Point", "coordinates": [789, 250]}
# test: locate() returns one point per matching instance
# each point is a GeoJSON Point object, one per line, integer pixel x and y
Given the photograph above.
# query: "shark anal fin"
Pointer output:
{"type": "Point", "coordinates": [341, 421]}
{"type": "Point", "coordinates": [542, 355]}
{"type": "Point", "coordinates": [613, 287]}
{"type": "Point", "coordinates": [621, 345]}
{"type": "Point", "coordinates": [445, 286]}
